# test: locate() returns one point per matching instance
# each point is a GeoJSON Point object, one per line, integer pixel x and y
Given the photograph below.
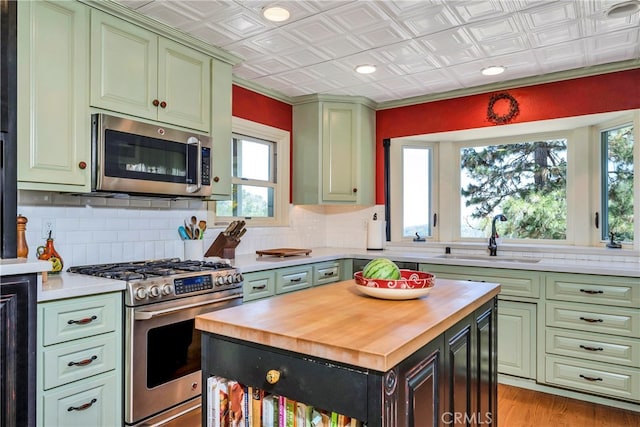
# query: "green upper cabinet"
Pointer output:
{"type": "Point", "coordinates": [221, 78]}
{"type": "Point", "coordinates": [136, 72]}
{"type": "Point", "coordinates": [54, 132]}
{"type": "Point", "coordinates": [333, 150]}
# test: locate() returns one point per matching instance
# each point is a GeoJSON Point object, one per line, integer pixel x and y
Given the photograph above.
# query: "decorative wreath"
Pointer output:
{"type": "Point", "coordinates": [514, 109]}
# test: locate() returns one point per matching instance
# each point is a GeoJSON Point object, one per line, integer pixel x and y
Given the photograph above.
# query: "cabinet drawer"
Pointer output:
{"type": "Point", "coordinates": [326, 273]}
{"type": "Point", "coordinates": [72, 361]}
{"type": "Point", "coordinates": [79, 317]}
{"type": "Point", "coordinates": [598, 347]}
{"type": "Point", "coordinates": [623, 292]}
{"type": "Point", "coordinates": [513, 283]}
{"type": "Point", "coordinates": [594, 318]}
{"type": "Point", "coordinates": [314, 382]}
{"type": "Point", "coordinates": [258, 285]}
{"type": "Point", "coordinates": [594, 377]}
{"type": "Point", "coordinates": [94, 402]}
{"type": "Point", "coordinates": [293, 279]}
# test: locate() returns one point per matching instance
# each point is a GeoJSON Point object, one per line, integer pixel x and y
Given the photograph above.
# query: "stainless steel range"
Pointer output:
{"type": "Point", "coordinates": [162, 347]}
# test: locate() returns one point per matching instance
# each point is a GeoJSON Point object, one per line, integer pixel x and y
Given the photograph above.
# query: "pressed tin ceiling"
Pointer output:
{"type": "Point", "coordinates": [420, 47]}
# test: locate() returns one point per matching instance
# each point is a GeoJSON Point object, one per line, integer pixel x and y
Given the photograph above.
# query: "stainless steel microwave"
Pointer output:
{"type": "Point", "coordinates": [133, 157]}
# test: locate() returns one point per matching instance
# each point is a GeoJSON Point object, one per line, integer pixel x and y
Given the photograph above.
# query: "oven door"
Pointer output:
{"type": "Point", "coordinates": [162, 353]}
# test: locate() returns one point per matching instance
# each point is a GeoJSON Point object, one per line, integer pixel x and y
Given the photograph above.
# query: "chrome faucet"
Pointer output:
{"type": "Point", "coordinates": [493, 246]}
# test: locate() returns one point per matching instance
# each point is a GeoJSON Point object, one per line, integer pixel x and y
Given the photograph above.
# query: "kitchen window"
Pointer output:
{"type": "Point", "coordinates": [617, 171]}
{"type": "Point", "coordinates": [561, 182]}
{"type": "Point", "coordinates": [260, 179]}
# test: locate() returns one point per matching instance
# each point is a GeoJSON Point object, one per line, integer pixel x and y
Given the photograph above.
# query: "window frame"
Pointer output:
{"type": "Point", "coordinates": [396, 188]}
{"type": "Point", "coordinates": [583, 190]}
{"type": "Point", "coordinates": [281, 139]}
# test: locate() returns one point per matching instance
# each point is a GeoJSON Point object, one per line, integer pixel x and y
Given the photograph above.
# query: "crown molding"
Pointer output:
{"type": "Point", "coordinates": [130, 15]}
{"type": "Point", "coordinates": [306, 99]}
{"type": "Point", "coordinates": [516, 83]}
{"type": "Point", "coordinates": [262, 90]}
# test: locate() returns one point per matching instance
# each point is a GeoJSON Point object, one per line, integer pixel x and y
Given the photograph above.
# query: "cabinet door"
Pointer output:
{"type": "Point", "coordinates": [516, 342]}
{"type": "Point", "coordinates": [459, 371]}
{"type": "Point", "coordinates": [339, 138]}
{"type": "Point", "coordinates": [221, 127]}
{"type": "Point", "coordinates": [124, 61]}
{"type": "Point", "coordinates": [53, 81]}
{"type": "Point", "coordinates": [184, 86]}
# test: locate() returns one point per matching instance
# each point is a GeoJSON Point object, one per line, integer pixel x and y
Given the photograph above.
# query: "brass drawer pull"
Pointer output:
{"type": "Point", "coordinates": [590, 378]}
{"type": "Point", "coordinates": [82, 321]}
{"type": "Point", "coordinates": [586, 319]}
{"type": "Point", "coordinates": [83, 362]}
{"type": "Point", "coordinates": [590, 292]}
{"type": "Point", "coordinates": [591, 348]}
{"type": "Point", "coordinates": [82, 407]}
{"type": "Point", "coordinates": [273, 376]}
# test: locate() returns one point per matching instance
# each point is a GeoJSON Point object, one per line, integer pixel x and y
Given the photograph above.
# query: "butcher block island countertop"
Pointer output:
{"type": "Point", "coordinates": [338, 323]}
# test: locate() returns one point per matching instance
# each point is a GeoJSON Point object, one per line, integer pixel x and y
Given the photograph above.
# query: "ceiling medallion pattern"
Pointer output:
{"type": "Point", "coordinates": [500, 119]}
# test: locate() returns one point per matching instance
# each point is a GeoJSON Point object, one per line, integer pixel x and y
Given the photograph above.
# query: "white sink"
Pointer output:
{"type": "Point", "coordinates": [488, 258]}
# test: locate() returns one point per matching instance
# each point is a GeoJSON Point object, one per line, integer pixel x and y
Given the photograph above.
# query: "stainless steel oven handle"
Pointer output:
{"type": "Point", "coordinates": [198, 185]}
{"type": "Point", "coordinates": [146, 315]}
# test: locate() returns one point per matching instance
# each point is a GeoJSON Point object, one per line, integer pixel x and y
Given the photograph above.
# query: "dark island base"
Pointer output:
{"type": "Point", "coordinates": [450, 381]}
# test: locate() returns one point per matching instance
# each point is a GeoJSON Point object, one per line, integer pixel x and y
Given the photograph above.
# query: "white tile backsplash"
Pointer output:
{"type": "Point", "coordinates": [91, 230]}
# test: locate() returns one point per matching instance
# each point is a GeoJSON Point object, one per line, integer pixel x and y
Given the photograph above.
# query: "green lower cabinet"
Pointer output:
{"type": "Point", "coordinates": [517, 338]}
{"type": "Point", "coordinates": [267, 283]}
{"type": "Point", "coordinates": [79, 361]}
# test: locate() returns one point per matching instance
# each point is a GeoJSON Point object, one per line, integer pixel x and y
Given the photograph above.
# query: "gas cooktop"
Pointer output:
{"type": "Point", "coordinates": [162, 280]}
{"type": "Point", "coordinates": [140, 270]}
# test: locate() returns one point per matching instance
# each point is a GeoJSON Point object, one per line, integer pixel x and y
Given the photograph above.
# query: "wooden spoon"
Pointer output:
{"type": "Point", "coordinates": [203, 226]}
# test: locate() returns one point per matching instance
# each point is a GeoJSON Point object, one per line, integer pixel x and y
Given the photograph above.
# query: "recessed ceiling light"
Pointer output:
{"type": "Point", "coordinates": [276, 13]}
{"type": "Point", "coordinates": [365, 69]}
{"type": "Point", "coordinates": [624, 9]}
{"type": "Point", "coordinates": [494, 70]}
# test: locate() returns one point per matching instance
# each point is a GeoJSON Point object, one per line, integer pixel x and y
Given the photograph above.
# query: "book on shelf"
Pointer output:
{"type": "Point", "coordinates": [255, 404]}
{"type": "Point", "coordinates": [269, 410]}
{"type": "Point", "coordinates": [236, 404]}
{"type": "Point", "coordinates": [217, 402]}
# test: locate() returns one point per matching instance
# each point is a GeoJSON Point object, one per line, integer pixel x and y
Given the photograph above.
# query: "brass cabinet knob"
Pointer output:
{"type": "Point", "coordinates": [273, 376]}
{"type": "Point", "coordinates": [82, 165]}
{"type": "Point", "coordinates": [355, 190]}
{"type": "Point", "coordinates": [163, 104]}
{"type": "Point", "coordinates": [216, 179]}
{"type": "Point", "coordinates": [155, 102]}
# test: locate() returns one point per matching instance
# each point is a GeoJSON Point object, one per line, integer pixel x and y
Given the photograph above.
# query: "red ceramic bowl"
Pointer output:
{"type": "Point", "coordinates": [409, 279]}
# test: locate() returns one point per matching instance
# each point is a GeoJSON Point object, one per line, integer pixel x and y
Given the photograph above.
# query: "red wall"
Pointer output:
{"type": "Point", "coordinates": [268, 111]}
{"type": "Point", "coordinates": [587, 95]}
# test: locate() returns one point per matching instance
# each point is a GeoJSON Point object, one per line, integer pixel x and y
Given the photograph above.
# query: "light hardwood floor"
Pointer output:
{"type": "Point", "coordinates": [518, 407]}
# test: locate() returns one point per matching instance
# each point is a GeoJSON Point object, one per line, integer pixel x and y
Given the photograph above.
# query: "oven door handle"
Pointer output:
{"type": "Point", "coordinates": [198, 186]}
{"type": "Point", "coordinates": [147, 315]}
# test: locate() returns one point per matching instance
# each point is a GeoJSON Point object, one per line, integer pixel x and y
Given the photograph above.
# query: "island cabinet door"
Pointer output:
{"type": "Point", "coordinates": [470, 365]}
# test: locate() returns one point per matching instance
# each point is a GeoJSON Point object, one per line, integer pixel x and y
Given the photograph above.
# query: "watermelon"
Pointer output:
{"type": "Point", "coordinates": [381, 268]}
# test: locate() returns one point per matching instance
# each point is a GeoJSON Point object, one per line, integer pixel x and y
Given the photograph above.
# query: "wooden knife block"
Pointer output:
{"type": "Point", "coordinates": [222, 247]}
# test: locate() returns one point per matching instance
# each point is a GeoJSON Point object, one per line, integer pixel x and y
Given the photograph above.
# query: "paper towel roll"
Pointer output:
{"type": "Point", "coordinates": [375, 234]}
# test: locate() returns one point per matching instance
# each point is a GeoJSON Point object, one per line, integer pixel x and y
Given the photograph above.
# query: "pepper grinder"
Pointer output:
{"type": "Point", "coordinates": [22, 250]}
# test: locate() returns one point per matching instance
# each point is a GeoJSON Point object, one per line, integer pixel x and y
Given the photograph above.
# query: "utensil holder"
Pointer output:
{"type": "Point", "coordinates": [193, 250]}
{"type": "Point", "coordinates": [223, 247]}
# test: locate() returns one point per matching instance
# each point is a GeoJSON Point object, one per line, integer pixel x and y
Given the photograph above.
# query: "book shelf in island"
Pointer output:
{"type": "Point", "coordinates": [231, 404]}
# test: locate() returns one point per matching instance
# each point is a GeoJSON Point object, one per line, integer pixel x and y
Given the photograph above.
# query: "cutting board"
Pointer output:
{"type": "Point", "coordinates": [283, 252]}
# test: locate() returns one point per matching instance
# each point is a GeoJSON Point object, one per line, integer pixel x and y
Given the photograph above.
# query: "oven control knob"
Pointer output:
{"type": "Point", "coordinates": [237, 278]}
{"type": "Point", "coordinates": [220, 281]}
{"type": "Point", "coordinates": [154, 291]}
{"type": "Point", "coordinates": [167, 289]}
{"type": "Point", "coordinates": [140, 293]}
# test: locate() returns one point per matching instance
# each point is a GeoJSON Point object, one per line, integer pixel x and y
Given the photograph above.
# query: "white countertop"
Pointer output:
{"type": "Point", "coordinates": [70, 285]}
{"type": "Point", "coordinates": [251, 262]}
{"type": "Point", "coordinates": [13, 266]}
